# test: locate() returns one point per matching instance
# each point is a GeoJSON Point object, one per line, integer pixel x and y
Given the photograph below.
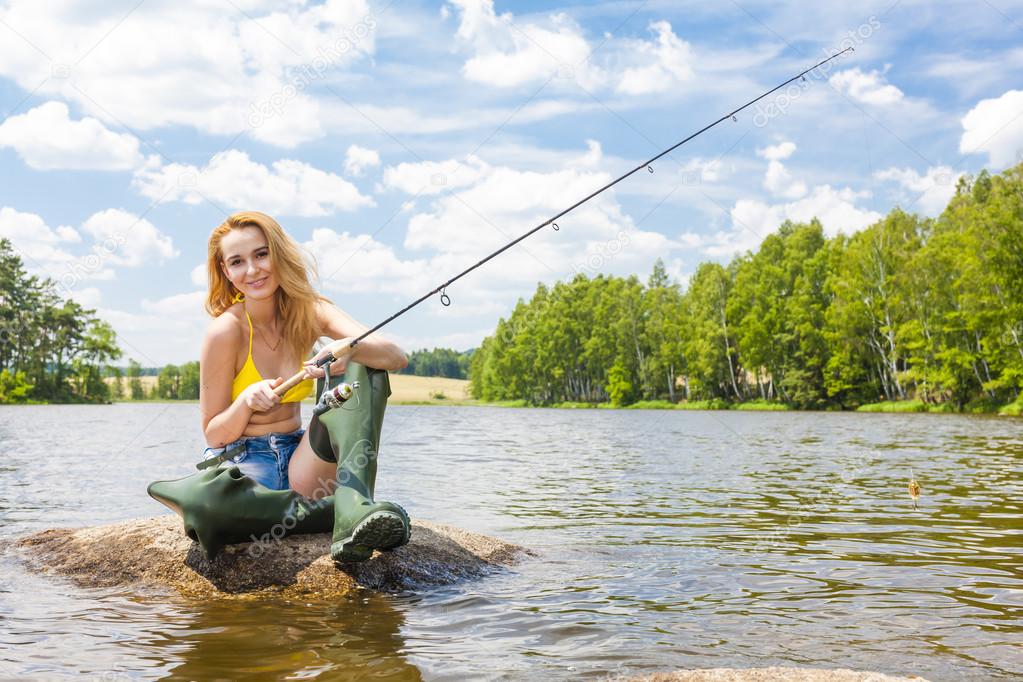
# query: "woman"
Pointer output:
{"type": "Point", "coordinates": [266, 318]}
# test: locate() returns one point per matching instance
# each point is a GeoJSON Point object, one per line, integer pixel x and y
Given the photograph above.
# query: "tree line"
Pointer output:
{"type": "Point", "coordinates": [173, 382]}
{"type": "Point", "coordinates": [51, 349]}
{"type": "Point", "coordinates": [439, 362]}
{"type": "Point", "coordinates": [908, 308]}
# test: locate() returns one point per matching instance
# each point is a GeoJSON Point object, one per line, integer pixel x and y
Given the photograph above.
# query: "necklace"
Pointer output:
{"type": "Point", "coordinates": [272, 348]}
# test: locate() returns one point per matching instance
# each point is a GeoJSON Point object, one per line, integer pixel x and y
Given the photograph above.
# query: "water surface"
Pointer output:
{"type": "Point", "coordinates": [666, 540]}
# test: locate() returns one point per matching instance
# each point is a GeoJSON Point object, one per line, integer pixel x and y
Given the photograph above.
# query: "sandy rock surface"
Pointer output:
{"type": "Point", "coordinates": [155, 553]}
{"type": "Point", "coordinates": [772, 675]}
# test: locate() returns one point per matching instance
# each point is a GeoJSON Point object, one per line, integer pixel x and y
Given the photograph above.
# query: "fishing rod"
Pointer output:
{"type": "Point", "coordinates": [339, 349]}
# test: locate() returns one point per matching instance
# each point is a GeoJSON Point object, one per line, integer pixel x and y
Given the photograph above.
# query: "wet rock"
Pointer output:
{"type": "Point", "coordinates": [774, 674]}
{"type": "Point", "coordinates": [155, 553]}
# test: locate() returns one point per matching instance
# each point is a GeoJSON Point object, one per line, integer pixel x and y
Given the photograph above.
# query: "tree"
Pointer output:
{"type": "Point", "coordinates": [135, 381]}
{"type": "Point", "coordinates": [168, 383]}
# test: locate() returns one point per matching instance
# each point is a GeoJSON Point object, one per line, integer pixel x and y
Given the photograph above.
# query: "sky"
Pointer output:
{"type": "Point", "coordinates": [401, 141]}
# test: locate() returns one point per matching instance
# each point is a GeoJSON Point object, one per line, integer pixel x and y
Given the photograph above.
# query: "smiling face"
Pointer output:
{"type": "Point", "coordinates": [246, 262]}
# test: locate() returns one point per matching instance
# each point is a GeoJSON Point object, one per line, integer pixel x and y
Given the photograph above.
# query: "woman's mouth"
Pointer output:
{"type": "Point", "coordinates": [256, 284]}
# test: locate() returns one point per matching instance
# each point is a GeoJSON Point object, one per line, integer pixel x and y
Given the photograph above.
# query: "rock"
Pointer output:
{"type": "Point", "coordinates": [773, 674]}
{"type": "Point", "coordinates": [156, 553]}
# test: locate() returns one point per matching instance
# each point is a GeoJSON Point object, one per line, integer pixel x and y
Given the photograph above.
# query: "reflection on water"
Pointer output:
{"type": "Point", "coordinates": [667, 540]}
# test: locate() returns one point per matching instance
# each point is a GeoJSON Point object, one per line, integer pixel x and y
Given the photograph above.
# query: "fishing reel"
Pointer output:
{"type": "Point", "coordinates": [335, 397]}
{"type": "Point", "coordinates": [332, 398]}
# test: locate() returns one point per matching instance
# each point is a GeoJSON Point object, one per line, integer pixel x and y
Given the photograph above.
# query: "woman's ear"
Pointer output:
{"type": "Point", "coordinates": [223, 269]}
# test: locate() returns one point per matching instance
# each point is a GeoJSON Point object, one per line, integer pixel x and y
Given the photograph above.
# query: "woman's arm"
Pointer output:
{"type": "Point", "coordinates": [373, 351]}
{"type": "Point", "coordinates": [224, 420]}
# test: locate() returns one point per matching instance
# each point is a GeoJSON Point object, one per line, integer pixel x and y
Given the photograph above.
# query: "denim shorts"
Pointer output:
{"type": "Point", "coordinates": [265, 458]}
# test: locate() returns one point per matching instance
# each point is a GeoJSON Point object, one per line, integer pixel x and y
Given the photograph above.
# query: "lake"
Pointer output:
{"type": "Point", "coordinates": [665, 540]}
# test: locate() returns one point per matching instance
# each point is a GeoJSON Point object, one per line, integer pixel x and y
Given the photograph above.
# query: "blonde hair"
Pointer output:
{"type": "Point", "coordinates": [295, 297]}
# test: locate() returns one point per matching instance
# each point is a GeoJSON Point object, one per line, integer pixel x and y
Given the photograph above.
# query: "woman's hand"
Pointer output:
{"type": "Point", "coordinates": [260, 396]}
{"type": "Point", "coordinates": [337, 367]}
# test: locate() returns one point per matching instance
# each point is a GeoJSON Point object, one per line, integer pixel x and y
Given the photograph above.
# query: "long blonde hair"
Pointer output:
{"type": "Point", "coordinates": [295, 297]}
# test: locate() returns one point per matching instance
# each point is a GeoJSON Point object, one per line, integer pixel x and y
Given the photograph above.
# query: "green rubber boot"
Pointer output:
{"type": "Point", "coordinates": [350, 436]}
{"type": "Point", "coordinates": [223, 506]}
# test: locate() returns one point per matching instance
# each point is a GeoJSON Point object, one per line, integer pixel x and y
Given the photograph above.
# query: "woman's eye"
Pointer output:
{"type": "Point", "coordinates": [263, 255]}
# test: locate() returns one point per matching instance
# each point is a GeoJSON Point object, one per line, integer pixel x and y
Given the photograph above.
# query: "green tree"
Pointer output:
{"type": "Point", "coordinates": [168, 383]}
{"type": "Point", "coordinates": [188, 388]}
{"type": "Point", "coordinates": [135, 387]}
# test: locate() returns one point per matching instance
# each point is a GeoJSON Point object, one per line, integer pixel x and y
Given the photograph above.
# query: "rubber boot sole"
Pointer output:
{"type": "Point", "coordinates": [383, 530]}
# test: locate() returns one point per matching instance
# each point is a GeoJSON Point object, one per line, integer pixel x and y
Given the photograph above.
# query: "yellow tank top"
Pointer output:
{"type": "Point", "coordinates": [250, 375]}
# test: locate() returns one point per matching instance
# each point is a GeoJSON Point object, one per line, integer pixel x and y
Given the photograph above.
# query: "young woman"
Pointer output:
{"type": "Point", "coordinates": [266, 318]}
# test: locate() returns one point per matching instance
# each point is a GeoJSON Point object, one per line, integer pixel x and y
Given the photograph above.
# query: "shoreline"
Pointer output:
{"type": "Point", "coordinates": [1009, 410]}
{"type": "Point", "coordinates": [408, 389]}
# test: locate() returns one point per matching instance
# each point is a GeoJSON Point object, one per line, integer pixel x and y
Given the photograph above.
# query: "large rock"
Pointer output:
{"type": "Point", "coordinates": [155, 553]}
{"type": "Point", "coordinates": [774, 674]}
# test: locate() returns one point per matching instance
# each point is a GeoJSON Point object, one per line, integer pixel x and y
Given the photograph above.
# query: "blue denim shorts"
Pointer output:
{"type": "Point", "coordinates": [265, 458]}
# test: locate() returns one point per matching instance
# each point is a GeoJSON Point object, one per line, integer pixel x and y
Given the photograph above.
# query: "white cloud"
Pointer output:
{"type": "Point", "coordinates": [457, 340]}
{"type": "Point", "coordinates": [434, 177]}
{"type": "Point", "coordinates": [178, 305]}
{"type": "Point", "coordinates": [835, 208]}
{"type": "Point", "coordinates": [507, 53]}
{"type": "Point", "coordinates": [662, 64]}
{"type": "Point", "coordinates": [234, 180]}
{"type": "Point", "coordinates": [195, 63]}
{"type": "Point", "coordinates": [752, 220]}
{"type": "Point", "coordinates": [358, 159]}
{"type": "Point", "coordinates": [779, 181]}
{"type": "Point", "coordinates": [931, 192]}
{"type": "Point", "coordinates": [168, 330]}
{"type": "Point", "coordinates": [367, 265]}
{"type": "Point", "coordinates": [995, 126]}
{"type": "Point", "coordinates": [868, 88]}
{"type": "Point", "coordinates": [482, 209]}
{"type": "Point", "coordinates": [124, 238]}
{"type": "Point", "coordinates": [503, 203]}
{"type": "Point", "coordinates": [198, 276]}
{"type": "Point", "coordinates": [120, 238]}
{"type": "Point", "coordinates": [47, 139]}
{"type": "Point", "coordinates": [777, 152]}
{"type": "Point", "coordinates": [87, 297]}
{"type": "Point", "coordinates": [40, 246]}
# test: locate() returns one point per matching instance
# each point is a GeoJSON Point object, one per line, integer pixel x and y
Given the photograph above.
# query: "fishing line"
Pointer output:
{"type": "Point", "coordinates": [647, 165]}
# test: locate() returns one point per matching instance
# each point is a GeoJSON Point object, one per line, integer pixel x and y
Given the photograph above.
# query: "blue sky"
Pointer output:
{"type": "Point", "coordinates": [401, 141]}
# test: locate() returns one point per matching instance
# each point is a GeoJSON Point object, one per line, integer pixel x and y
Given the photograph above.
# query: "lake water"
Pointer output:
{"type": "Point", "coordinates": [666, 540]}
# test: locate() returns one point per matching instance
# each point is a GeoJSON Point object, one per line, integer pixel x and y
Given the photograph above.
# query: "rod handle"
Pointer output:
{"type": "Point", "coordinates": [338, 349]}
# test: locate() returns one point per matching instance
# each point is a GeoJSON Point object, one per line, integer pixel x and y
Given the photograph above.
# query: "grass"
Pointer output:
{"type": "Point", "coordinates": [407, 389]}
{"type": "Point", "coordinates": [979, 406]}
{"type": "Point", "coordinates": [761, 406]}
{"type": "Point", "coordinates": [652, 405]}
{"type": "Point", "coordinates": [1014, 409]}
{"type": "Point", "coordinates": [703, 405]}
{"type": "Point", "coordinates": [895, 406]}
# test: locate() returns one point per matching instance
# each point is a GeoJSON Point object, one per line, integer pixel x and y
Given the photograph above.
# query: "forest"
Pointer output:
{"type": "Point", "coordinates": [914, 311]}
{"type": "Point", "coordinates": [51, 349]}
{"type": "Point", "coordinates": [439, 362]}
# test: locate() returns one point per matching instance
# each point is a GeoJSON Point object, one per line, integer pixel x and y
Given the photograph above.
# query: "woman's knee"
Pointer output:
{"type": "Point", "coordinates": [310, 476]}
